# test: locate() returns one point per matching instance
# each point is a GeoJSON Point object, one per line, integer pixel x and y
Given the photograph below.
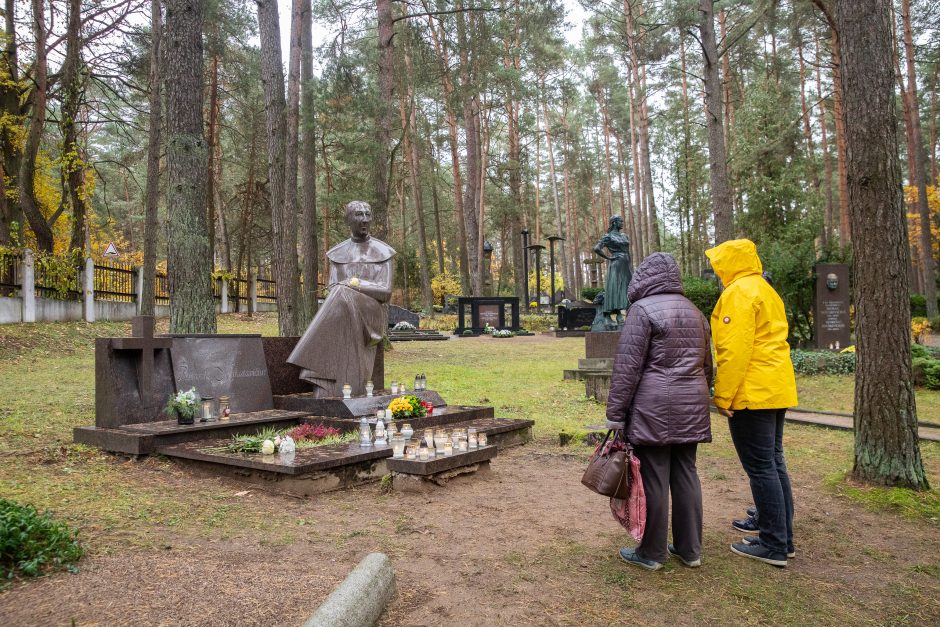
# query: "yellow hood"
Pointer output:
{"type": "Point", "coordinates": [733, 259]}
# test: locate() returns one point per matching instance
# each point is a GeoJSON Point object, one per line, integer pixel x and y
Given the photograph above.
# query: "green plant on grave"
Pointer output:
{"type": "Point", "coordinates": [589, 293]}
{"type": "Point", "coordinates": [32, 543]}
{"type": "Point", "coordinates": [467, 332]}
{"type": "Point", "coordinates": [184, 404]}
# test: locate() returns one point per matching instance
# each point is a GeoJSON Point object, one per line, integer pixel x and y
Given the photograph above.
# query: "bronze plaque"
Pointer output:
{"type": "Point", "coordinates": [217, 365]}
{"type": "Point", "coordinates": [489, 314]}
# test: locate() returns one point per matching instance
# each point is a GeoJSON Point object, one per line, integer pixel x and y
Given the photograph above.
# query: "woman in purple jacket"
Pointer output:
{"type": "Point", "coordinates": [659, 391]}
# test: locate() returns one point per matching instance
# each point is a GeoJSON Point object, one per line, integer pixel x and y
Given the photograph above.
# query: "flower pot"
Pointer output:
{"type": "Point", "coordinates": [183, 420]}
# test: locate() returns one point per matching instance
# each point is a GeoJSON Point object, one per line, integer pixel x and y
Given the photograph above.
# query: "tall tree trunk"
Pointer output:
{"type": "Point", "coordinates": [9, 109]}
{"type": "Point", "coordinates": [383, 128]}
{"type": "Point", "coordinates": [152, 192]}
{"type": "Point", "coordinates": [717, 155]}
{"type": "Point", "coordinates": [410, 122]}
{"type": "Point", "coordinates": [559, 223]}
{"type": "Point", "coordinates": [652, 220]}
{"type": "Point", "coordinates": [282, 214]}
{"type": "Point", "coordinates": [919, 173]}
{"type": "Point", "coordinates": [213, 141]}
{"type": "Point", "coordinates": [192, 307]}
{"type": "Point", "coordinates": [27, 192]}
{"type": "Point", "coordinates": [471, 119]}
{"type": "Point", "coordinates": [73, 162]}
{"type": "Point", "coordinates": [807, 122]}
{"type": "Point", "coordinates": [435, 201]}
{"type": "Point", "coordinates": [641, 245]}
{"type": "Point", "coordinates": [886, 441]}
{"type": "Point", "coordinates": [308, 168]}
{"type": "Point", "coordinates": [824, 140]}
{"type": "Point", "coordinates": [845, 224]}
{"type": "Point", "coordinates": [933, 124]}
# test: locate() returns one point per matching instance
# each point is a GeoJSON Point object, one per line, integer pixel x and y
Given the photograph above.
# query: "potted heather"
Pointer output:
{"type": "Point", "coordinates": [184, 406]}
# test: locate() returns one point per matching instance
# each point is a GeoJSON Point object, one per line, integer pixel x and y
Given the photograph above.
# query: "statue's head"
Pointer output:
{"type": "Point", "coordinates": [616, 223]}
{"type": "Point", "coordinates": [359, 219]}
{"type": "Point", "coordinates": [832, 281]}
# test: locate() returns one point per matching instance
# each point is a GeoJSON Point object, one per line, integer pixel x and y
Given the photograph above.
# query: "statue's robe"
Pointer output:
{"type": "Point", "coordinates": [339, 345]}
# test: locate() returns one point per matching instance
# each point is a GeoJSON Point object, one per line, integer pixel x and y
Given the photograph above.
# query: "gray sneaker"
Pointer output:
{"type": "Point", "coordinates": [752, 540]}
{"type": "Point", "coordinates": [760, 553]}
{"type": "Point", "coordinates": [690, 563]}
{"type": "Point", "coordinates": [630, 557]}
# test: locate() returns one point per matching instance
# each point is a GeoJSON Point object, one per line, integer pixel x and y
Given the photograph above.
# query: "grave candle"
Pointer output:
{"type": "Point", "coordinates": [472, 442]}
{"type": "Point", "coordinates": [225, 410]}
{"type": "Point", "coordinates": [369, 388]}
{"type": "Point", "coordinates": [448, 449]}
{"type": "Point", "coordinates": [407, 431]}
{"type": "Point", "coordinates": [347, 391]}
{"type": "Point", "coordinates": [423, 454]}
{"type": "Point", "coordinates": [462, 446]}
{"type": "Point", "coordinates": [394, 387]}
{"type": "Point", "coordinates": [481, 439]}
{"type": "Point", "coordinates": [208, 409]}
{"type": "Point", "coordinates": [417, 383]}
{"type": "Point", "coordinates": [398, 446]}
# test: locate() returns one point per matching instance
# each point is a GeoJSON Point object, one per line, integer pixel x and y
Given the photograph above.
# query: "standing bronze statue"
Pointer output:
{"type": "Point", "coordinates": [339, 345]}
{"type": "Point", "coordinates": [619, 268]}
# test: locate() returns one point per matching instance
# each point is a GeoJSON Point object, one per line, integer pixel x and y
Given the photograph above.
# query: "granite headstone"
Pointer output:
{"type": "Point", "coordinates": [831, 313]}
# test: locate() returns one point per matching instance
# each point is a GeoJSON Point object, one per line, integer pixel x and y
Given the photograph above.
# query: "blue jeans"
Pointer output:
{"type": "Point", "coordinates": [758, 438]}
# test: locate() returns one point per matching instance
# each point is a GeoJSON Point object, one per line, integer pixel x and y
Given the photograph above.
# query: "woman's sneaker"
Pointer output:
{"type": "Point", "coordinates": [752, 540]}
{"type": "Point", "coordinates": [689, 563]}
{"type": "Point", "coordinates": [630, 557]}
{"type": "Point", "coordinates": [760, 553]}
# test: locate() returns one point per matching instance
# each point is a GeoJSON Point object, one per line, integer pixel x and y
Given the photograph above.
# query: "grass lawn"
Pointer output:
{"type": "Point", "coordinates": [528, 546]}
{"type": "Point", "coordinates": [837, 393]}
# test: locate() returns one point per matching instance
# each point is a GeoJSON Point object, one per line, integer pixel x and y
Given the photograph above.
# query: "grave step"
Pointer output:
{"type": "Point", "coordinates": [144, 438]}
{"type": "Point", "coordinates": [441, 464]}
{"type": "Point", "coordinates": [447, 415]}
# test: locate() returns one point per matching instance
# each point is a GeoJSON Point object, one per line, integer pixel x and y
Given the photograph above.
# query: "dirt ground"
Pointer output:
{"type": "Point", "coordinates": [524, 544]}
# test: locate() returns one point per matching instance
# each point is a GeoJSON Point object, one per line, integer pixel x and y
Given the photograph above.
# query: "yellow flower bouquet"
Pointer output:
{"type": "Point", "coordinates": [407, 407]}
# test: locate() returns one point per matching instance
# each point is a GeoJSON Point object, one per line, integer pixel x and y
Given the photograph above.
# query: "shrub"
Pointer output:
{"type": "Point", "coordinates": [822, 362]}
{"type": "Point", "coordinates": [589, 293]}
{"type": "Point", "coordinates": [703, 293]}
{"type": "Point", "coordinates": [467, 332]}
{"type": "Point", "coordinates": [32, 543]}
{"type": "Point", "coordinates": [932, 375]}
{"type": "Point", "coordinates": [920, 329]}
{"type": "Point", "coordinates": [918, 306]}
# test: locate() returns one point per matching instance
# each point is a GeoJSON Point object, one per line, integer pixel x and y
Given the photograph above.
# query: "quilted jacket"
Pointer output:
{"type": "Point", "coordinates": [663, 366]}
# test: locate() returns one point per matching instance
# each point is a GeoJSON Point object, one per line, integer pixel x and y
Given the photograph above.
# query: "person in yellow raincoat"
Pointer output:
{"type": "Point", "coordinates": [754, 386]}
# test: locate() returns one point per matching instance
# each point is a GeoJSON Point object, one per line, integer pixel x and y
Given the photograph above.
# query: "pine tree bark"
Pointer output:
{"type": "Point", "coordinates": [559, 223]}
{"type": "Point", "coordinates": [10, 109]}
{"type": "Point", "coordinates": [383, 134]}
{"type": "Point", "coordinates": [213, 142]}
{"type": "Point", "coordinates": [73, 163]}
{"type": "Point", "coordinates": [919, 172]}
{"type": "Point", "coordinates": [472, 138]}
{"type": "Point", "coordinates": [829, 222]}
{"type": "Point", "coordinates": [845, 223]}
{"type": "Point", "coordinates": [886, 441]}
{"type": "Point", "coordinates": [722, 204]}
{"type": "Point", "coordinates": [283, 222]}
{"type": "Point", "coordinates": [189, 267]}
{"type": "Point", "coordinates": [27, 191]}
{"type": "Point", "coordinates": [152, 191]}
{"type": "Point", "coordinates": [308, 168]}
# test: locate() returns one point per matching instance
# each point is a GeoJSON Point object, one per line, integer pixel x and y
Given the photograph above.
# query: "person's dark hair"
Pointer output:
{"type": "Point", "coordinates": [767, 277]}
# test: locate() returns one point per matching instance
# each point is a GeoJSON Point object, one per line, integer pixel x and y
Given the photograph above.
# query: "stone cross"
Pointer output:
{"type": "Point", "coordinates": [143, 340]}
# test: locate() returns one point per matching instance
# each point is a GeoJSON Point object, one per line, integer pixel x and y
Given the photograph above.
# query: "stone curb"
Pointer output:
{"type": "Point", "coordinates": [360, 600]}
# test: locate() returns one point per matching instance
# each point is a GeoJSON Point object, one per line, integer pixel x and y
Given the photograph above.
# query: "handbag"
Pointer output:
{"type": "Point", "coordinates": [606, 473]}
{"type": "Point", "coordinates": [631, 512]}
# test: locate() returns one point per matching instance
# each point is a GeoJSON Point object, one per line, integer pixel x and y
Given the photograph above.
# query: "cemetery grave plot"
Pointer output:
{"type": "Point", "coordinates": [134, 375]}
{"type": "Point", "coordinates": [403, 326]}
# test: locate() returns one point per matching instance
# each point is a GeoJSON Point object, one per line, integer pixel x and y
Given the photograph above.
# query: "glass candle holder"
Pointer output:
{"type": "Point", "coordinates": [417, 383]}
{"type": "Point", "coordinates": [472, 442]}
{"type": "Point", "coordinates": [394, 387]}
{"type": "Point", "coordinates": [448, 449]}
{"type": "Point", "coordinates": [347, 391]}
{"type": "Point", "coordinates": [423, 454]}
{"type": "Point", "coordinates": [481, 439]}
{"type": "Point", "coordinates": [407, 431]}
{"type": "Point", "coordinates": [207, 409]}
{"type": "Point", "coordinates": [462, 446]}
{"type": "Point", "coordinates": [225, 409]}
{"type": "Point", "coordinates": [429, 437]}
{"type": "Point", "coordinates": [369, 387]}
{"type": "Point", "coordinates": [379, 414]}
{"type": "Point", "coordinates": [398, 447]}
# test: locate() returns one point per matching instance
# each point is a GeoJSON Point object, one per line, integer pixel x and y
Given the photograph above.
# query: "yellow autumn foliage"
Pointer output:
{"type": "Point", "coordinates": [913, 220]}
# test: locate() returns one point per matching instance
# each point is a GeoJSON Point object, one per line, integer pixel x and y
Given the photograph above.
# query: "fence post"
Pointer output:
{"type": "Point", "coordinates": [252, 292]}
{"type": "Point", "coordinates": [28, 286]}
{"type": "Point", "coordinates": [89, 290]}
{"type": "Point", "coordinates": [224, 291]}
{"type": "Point", "coordinates": [139, 288]}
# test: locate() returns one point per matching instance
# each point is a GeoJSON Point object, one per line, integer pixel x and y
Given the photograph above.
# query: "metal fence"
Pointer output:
{"type": "Point", "coordinates": [115, 282]}
{"type": "Point", "coordinates": [266, 290]}
{"type": "Point", "coordinates": [10, 279]}
{"type": "Point", "coordinates": [161, 289]}
{"type": "Point", "coordinates": [58, 282]}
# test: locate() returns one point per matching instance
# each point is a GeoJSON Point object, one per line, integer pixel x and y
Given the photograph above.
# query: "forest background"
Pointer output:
{"type": "Point", "coordinates": [463, 122]}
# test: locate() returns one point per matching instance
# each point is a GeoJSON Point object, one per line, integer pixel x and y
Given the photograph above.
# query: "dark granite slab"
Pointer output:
{"type": "Point", "coordinates": [216, 365]}
{"type": "Point", "coordinates": [259, 418]}
{"type": "Point", "coordinates": [448, 415]}
{"type": "Point", "coordinates": [285, 377]}
{"type": "Point", "coordinates": [114, 440]}
{"type": "Point", "coordinates": [303, 461]}
{"type": "Point", "coordinates": [601, 344]}
{"type": "Point", "coordinates": [348, 407]}
{"type": "Point", "coordinates": [441, 464]}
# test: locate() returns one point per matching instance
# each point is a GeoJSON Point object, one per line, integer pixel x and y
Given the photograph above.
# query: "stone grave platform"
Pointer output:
{"type": "Point", "coordinates": [134, 376]}
{"type": "Point", "coordinates": [588, 366]}
{"type": "Point", "coordinates": [565, 333]}
{"type": "Point", "coordinates": [326, 468]}
{"type": "Point", "coordinates": [409, 475]}
{"type": "Point", "coordinates": [418, 335]}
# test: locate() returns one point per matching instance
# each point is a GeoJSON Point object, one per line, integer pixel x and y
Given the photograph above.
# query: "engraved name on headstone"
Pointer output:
{"type": "Point", "coordinates": [832, 321]}
{"type": "Point", "coordinates": [216, 365]}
